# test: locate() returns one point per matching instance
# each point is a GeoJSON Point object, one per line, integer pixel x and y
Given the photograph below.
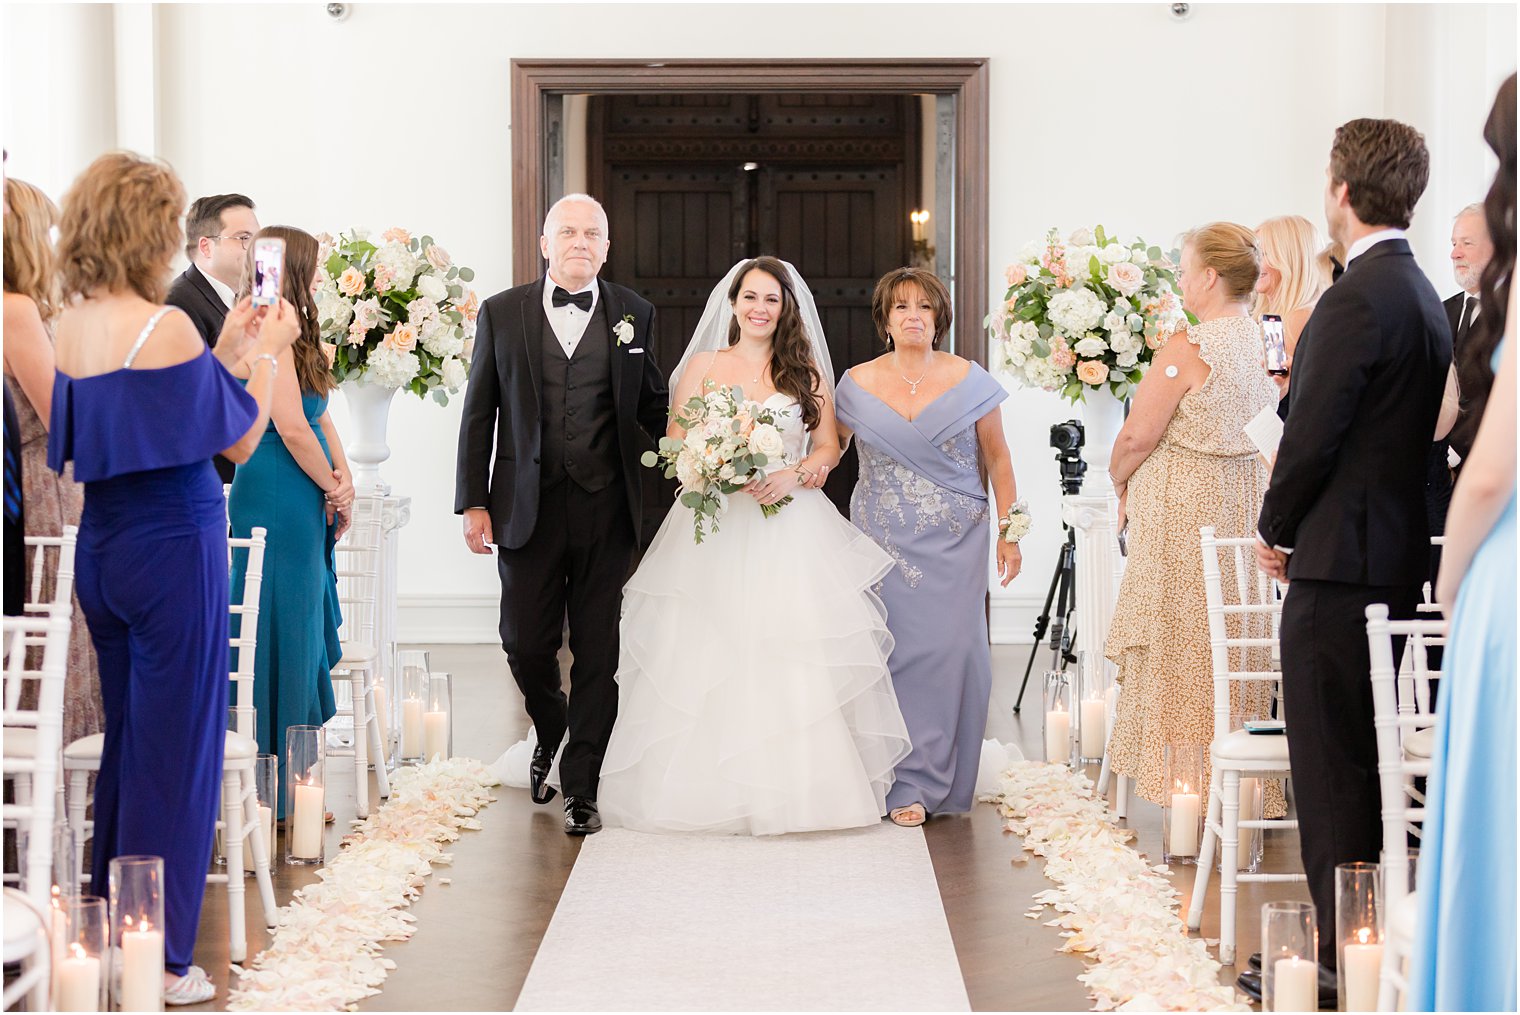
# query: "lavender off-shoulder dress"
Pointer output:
{"type": "Point", "coordinates": [920, 497]}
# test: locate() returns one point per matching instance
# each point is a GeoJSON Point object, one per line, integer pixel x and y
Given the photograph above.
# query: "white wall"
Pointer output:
{"type": "Point", "coordinates": [1100, 113]}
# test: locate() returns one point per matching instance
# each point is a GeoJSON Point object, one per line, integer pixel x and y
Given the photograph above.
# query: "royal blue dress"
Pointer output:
{"type": "Point", "coordinates": [1464, 951]}
{"type": "Point", "coordinates": [151, 576]}
{"type": "Point", "coordinates": [920, 497]}
{"type": "Point", "coordinates": [298, 601]}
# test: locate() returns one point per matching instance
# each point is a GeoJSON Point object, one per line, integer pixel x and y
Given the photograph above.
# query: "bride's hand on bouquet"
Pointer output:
{"type": "Point", "coordinates": [1010, 561]}
{"type": "Point", "coordinates": [773, 488]}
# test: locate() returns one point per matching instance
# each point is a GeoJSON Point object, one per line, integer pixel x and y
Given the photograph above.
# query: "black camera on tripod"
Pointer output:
{"type": "Point", "coordinates": [1068, 438]}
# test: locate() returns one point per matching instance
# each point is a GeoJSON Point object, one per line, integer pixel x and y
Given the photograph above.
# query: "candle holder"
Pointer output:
{"type": "Point", "coordinates": [1252, 808]}
{"type": "Point", "coordinates": [1182, 808]}
{"type": "Point", "coordinates": [244, 722]}
{"type": "Point", "coordinates": [305, 795]}
{"type": "Point", "coordinates": [137, 931]}
{"type": "Point", "coordinates": [1091, 713]}
{"type": "Point", "coordinates": [1289, 957]}
{"type": "Point", "coordinates": [1358, 934]}
{"type": "Point", "coordinates": [412, 706]}
{"type": "Point", "coordinates": [438, 720]}
{"type": "Point", "coordinates": [266, 784]}
{"type": "Point", "coordinates": [1057, 697]}
{"type": "Point", "coordinates": [80, 974]}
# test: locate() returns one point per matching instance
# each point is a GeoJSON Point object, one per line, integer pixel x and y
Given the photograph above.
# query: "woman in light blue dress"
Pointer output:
{"type": "Point", "coordinates": [930, 434]}
{"type": "Point", "coordinates": [1464, 949]}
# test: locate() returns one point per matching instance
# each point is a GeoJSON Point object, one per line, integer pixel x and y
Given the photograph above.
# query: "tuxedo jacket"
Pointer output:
{"type": "Point", "coordinates": [1348, 487]}
{"type": "Point", "coordinates": [501, 435]}
{"type": "Point", "coordinates": [1473, 377]}
{"type": "Point", "coordinates": [194, 295]}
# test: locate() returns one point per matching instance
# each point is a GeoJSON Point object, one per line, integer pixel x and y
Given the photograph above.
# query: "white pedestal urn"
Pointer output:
{"type": "Point", "coordinates": [369, 407]}
{"type": "Point", "coordinates": [1102, 416]}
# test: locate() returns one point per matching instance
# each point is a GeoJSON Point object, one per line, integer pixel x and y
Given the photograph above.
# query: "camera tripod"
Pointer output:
{"type": "Point", "coordinates": [1063, 595]}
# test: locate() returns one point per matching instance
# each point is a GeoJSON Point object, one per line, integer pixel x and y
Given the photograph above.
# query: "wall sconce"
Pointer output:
{"type": "Point", "coordinates": [922, 252]}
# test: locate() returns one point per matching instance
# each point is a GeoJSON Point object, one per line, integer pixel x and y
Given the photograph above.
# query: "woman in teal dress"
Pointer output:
{"type": "Point", "coordinates": [1464, 949]}
{"type": "Point", "coordinates": [296, 486]}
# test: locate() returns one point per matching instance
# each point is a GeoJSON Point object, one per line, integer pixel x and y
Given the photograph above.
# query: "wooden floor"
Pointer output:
{"type": "Point", "coordinates": [476, 937]}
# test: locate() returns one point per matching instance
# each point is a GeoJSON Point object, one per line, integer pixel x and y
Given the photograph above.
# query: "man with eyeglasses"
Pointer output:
{"type": "Point", "coordinates": [218, 232]}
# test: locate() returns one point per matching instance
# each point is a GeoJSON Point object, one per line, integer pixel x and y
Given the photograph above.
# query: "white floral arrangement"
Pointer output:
{"type": "Point", "coordinates": [1015, 525]}
{"type": "Point", "coordinates": [398, 315]}
{"type": "Point", "coordinates": [1085, 313]}
{"type": "Point", "coordinates": [729, 441]}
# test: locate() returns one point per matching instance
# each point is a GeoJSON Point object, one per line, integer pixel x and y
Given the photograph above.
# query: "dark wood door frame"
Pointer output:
{"type": "Point", "coordinates": [533, 81]}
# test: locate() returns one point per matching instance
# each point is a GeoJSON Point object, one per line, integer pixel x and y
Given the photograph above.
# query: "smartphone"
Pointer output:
{"type": "Point", "coordinates": [268, 266]}
{"type": "Point", "coordinates": [1277, 349]}
{"type": "Point", "coordinates": [1265, 726]}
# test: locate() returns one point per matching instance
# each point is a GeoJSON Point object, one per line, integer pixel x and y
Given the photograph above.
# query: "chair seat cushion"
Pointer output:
{"type": "Point", "coordinates": [354, 655]}
{"type": "Point", "coordinates": [87, 749]}
{"type": "Point", "coordinates": [239, 747]}
{"type": "Point", "coordinates": [20, 742]}
{"type": "Point", "coordinates": [1266, 748]}
{"type": "Point", "coordinates": [21, 927]}
{"type": "Point", "coordinates": [1420, 743]}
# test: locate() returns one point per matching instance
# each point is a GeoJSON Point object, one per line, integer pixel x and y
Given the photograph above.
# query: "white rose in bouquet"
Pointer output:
{"type": "Point", "coordinates": [1114, 253]}
{"type": "Point", "coordinates": [437, 257]}
{"type": "Point", "coordinates": [421, 311]}
{"type": "Point", "coordinates": [1128, 358]}
{"type": "Point", "coordinates": [1090, 347]}
{"type": "Point", "coordinates": [1081, 237]}
{"type": "Point", "coordinates": [367, 313]}
{"type": "Point", "coordinates": [433, 288]}
{"type": "Point", "coordinates": [453, 373]}
{"type": "Point", "coordinates": [689, 469]}
{"type": "Point", "coordinates": [1126, 277]}
{"type": "Point", "coordinates": [1076, 311]}
{"type": "Point", "coordinates": [766, 440]}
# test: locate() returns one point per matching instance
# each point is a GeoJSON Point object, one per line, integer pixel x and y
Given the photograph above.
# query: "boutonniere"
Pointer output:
{"type": "Point", "coordinates": [624, 330]}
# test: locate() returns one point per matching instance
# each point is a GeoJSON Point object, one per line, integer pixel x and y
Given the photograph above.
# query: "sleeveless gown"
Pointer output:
{"type": "Point", "coordinates": [1464, 954]}
{"type": "Point", "coordinates": [151, 573]}
{"type": "Point", "coordinates": [754, 696]}
{"type": "Point", "coordinates": [298, 600]}
{"type": "Point", "coordinates": [920, 496]}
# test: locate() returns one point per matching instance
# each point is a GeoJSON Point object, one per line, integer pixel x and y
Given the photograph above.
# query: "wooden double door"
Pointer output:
{"type": "Point", "coordinates": [694, 183]}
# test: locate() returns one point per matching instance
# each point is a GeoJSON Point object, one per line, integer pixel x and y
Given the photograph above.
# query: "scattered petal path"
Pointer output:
{"type": "Point", "coordinates": [1111, 905]}
{"type": "Point", "coordinates": [325, 953]}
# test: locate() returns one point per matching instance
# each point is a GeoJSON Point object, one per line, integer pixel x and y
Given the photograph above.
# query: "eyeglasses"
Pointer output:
{"type": "Point", "coordinates": [243, 239]}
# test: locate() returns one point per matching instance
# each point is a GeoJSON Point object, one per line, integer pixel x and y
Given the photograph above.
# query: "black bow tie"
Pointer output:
{"type": "Point", "coordinates": [581, 299]}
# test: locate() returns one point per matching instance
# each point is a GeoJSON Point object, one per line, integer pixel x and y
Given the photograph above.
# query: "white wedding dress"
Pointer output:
{"type": "Point", "coordinates": [753, 691]}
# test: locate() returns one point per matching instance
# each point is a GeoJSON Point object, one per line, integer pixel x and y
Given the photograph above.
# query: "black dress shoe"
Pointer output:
{"type": "Point", "coordinates": [1254, 962]}
{"type": "Point", "coordinates": [1249, 983]}
{"type": "Point", "coordinates": [538, 774]}
{"type": "Point", "coordinates": [581, 816]}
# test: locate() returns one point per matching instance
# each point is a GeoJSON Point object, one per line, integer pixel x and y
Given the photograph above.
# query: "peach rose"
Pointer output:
{"type": "Point", "coordinates": [396, 235]}
{"type": "Point", "coordinates": [1090, 371]}
{"type": "Point", "coordinates": [404, 338]}
{"type": "Point", "coordinates": [471, 305]}
{"type": "Point", "coordinates": [351, 282]}
{"type": "Point", "coordinates": [437, 257]}
{"type": "Point", "coordinates": [1017, 274]}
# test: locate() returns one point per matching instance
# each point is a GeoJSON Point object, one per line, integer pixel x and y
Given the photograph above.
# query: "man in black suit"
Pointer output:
{"type": "Point", "coordinates": [218, 230]}
{"type": "Point", "coordinates": [1344, 517]}
{"type": "Point", "coordinates": [564, 383]}
{"type": "Point", "coordinates": [1471, 250]}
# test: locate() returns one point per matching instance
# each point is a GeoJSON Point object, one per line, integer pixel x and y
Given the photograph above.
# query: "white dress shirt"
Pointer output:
{"type": "Point", "coordinates": [1366, 243]}
{"type": "Point", "coordinates": [222, 289]}
{"type": "Point", "coordinates": [569, 321]}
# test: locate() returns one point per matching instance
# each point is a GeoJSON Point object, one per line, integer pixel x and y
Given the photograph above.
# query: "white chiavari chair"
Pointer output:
{"type": "Point", "coordinates": [1236, 753]}
{"type": "Point", "coordinates": [1404, 741]}
{"type": "Point", "coordinates": [357, 557]}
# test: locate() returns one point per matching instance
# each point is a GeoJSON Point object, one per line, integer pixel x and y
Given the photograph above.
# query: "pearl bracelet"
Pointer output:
{"type": "Point", "coordinates": [274, 365]}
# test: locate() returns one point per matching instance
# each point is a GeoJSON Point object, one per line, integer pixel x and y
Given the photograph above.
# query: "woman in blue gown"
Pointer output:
{"type": "Point", "coordinates": [1465, 944]}
{"type": "Point", "coordinates": [295, 485]}
{"type": "Point", "coordinates": [930, 434]}
{"type": "Point", "coordinates": [140, 405]}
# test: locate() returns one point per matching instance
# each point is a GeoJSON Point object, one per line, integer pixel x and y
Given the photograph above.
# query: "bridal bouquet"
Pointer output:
{"type": "Point", "coordinates": [398, 314]}
{"type": "Point", "coordinates": [729, 441]}
{"type": "Point", "coordinates": [1086, 312]}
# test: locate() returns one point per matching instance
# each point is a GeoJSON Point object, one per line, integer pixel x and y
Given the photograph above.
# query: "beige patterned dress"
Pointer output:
{"type": "Point", "coordinates": [1204, 471]}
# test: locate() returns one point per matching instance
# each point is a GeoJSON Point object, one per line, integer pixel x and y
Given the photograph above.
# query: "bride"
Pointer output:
{"type": "Point", "coordinates": [753, 690]}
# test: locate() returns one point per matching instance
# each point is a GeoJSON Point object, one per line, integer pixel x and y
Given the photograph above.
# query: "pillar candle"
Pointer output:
{"type": "Point", "coordinates": [266, 822]}
{"type": "Point", "coordinates": [142, 969]}
{"type": "Point", "coordinates": [59, 936]}
{"type": "Point", "coordinates": [1295, 985]}
{"type": "Point", "coordinates": [411, 727]}
{"type": "Point", "coordinates": [1057, 736]}
{"type": "Point", "coordinates": [1249, 810]}
{"type": "Point", "coordinates": [78, 982]}
{"type": "Point", "coordinates": [1359, 971]}
{"type": "Point", "coordinates": [435, 735]}
{"type": "Point", "coordinates": [1184, 833]}
{"type": "Point", "coordinates": [1093, 728]}
{"type": "Point", "coordinates": [306, 834]}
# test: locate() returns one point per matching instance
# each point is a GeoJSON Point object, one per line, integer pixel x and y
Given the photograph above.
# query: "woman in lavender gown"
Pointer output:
{"type": "Point", "coordinates": [930, 434]}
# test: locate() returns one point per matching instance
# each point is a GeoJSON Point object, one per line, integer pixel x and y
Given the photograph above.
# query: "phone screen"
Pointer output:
{"type": "Point", "coordinates": [1272, 338]}
{"type": "Point", "coordinates": [268, 265]}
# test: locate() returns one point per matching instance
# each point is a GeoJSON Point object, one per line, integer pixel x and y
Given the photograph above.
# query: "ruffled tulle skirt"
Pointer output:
{"type": "Point", "coordinates": [753, 690]}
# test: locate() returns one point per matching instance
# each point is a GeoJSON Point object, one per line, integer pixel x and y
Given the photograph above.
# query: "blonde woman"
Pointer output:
{"type": "Point", "coordinates": [1295, 272]}
{"type": "Point", "coordinates": [52, 500]}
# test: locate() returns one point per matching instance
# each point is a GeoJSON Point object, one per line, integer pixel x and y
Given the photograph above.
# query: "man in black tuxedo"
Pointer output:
{"type": "Point", "coordinates": [1344, 517]}
{"type": "Point", "coordinates": [218, 230]}
{"type": "Point", "coordinates": [1471, 250]}
{"type": "Point", "coordinates": [564, 382]}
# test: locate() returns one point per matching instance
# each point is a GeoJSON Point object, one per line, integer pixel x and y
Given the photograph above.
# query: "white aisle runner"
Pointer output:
{"type": "Point", "coordinates": [826, 921]}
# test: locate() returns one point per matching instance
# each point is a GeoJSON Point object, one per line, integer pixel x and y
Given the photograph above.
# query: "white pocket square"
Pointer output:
{"type": "Point", "coordinates": [635, 352]}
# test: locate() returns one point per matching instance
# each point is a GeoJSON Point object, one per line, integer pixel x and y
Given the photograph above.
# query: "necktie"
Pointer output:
{"type": "Point", "coordinates": [1464, 326]}
{"type": "Point", "coordinates": [581, 299]}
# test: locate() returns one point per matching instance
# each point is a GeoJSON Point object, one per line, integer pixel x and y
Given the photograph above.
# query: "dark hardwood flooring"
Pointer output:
{"type": "Point", "coordinates": [476, 937]}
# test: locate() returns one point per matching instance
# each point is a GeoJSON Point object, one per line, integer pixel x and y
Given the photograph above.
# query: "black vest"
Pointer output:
{"type": "Point", "coordinates": [579, 420]}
